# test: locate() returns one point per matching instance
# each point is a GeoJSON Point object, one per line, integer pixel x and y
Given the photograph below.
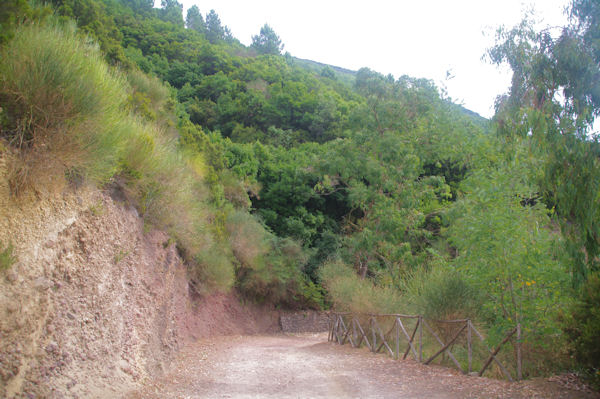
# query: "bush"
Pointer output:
{"type": "Point", "coordinates": [269, 268]}
{"type": "Point", "coordinates": [348, 292]}
{"type": "Point", "coordinates": [213, 270]}
{"type": "Point", "coordinates": [164, 186]}
{"type": "Point", "coordinates": [62, 108]}
{"type": "Point", "coordinates": [581, 324]}
{"type": "Point", "coordinates": [151, 99]}
{"type": "Point", "coordinates": [441, 294]}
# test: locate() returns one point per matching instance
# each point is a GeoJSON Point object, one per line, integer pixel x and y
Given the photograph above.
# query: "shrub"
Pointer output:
{"type": "Point", "coordinates": [151, 99]}
{"type": "Point", "coordinates": [581, 324]}
{"type": "Point", "coordinates": [441, 294]}
{"type": "Point", "coordinates": [165, 188]}
{"type": "Point", "coordinates": [269, 268]}
{"type": "Point", "coordinates": [350, 293]}
{"type": "Point", "coordinates": [213, 270]}
{"type": "Point", "coordinates": [7, 257]}
{"type": "Point", "coordinates": [62, 107]}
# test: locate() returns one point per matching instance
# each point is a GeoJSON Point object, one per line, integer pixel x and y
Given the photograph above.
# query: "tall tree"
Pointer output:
{"type": "Point", "coordinates": [194, 20]}
{"type": "Point", "coordinates": [267, 42]}
{"type": "Point", "coordinates": [214, 30]}
{"type": "Point", "coordinates": [553, 101]}
{"type": "Point", "coordinates": [172, 11]}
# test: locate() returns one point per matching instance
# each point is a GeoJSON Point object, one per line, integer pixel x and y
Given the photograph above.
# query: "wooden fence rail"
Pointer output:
{"type": "Point", "coordinates": [370, 330]}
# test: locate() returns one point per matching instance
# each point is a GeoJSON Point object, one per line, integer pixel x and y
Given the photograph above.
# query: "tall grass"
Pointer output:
{"type": "Point", "coordinates": [350, 293]}
{"type": "Point", "coordinates": [61, 108]}
{"type": "Point", "coordinates": [152, 100]}
{"type": "Point", "coordinates": [269, 269]}
{"type": "Point", "coordinates": [441, 293]}
{"type": "Point", "coordinates": [168, 191]}
{"type": "Point", "coordinates": [65, 114]}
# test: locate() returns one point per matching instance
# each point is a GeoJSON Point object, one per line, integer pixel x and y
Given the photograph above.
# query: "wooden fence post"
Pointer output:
{"type": "Point", "coordinates": [374, 335]}
{"type": "Point", "coordinates": [519, 358]}
{"type": "Point", "coordinates": [495, 352]}
{"type": "Point", "coordinates": [420, 338]}
{"type": "Point", "coordinates": [397, 340]}
{"type": "Point", "coordinates": [469, 347]}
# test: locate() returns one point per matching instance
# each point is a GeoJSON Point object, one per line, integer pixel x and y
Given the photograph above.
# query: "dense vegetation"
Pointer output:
{"type": "Point", "coordinates": [312, 186]}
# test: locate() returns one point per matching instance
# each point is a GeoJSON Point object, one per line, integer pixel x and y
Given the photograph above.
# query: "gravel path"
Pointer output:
{"type": "Point", "coordinates": [307, 366]}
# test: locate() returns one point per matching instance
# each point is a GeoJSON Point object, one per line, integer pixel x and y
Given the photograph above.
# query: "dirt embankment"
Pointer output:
{"type": "Point", "coordinates": [96, 306]}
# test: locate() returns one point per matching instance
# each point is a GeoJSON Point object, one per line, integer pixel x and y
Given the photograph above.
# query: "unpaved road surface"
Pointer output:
{"type": "Point", "coordinates": [307, 366]}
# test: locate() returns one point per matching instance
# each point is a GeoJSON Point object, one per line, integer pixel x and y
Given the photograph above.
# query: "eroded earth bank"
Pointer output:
{"type": "Point", "coordinates": [95, 306]}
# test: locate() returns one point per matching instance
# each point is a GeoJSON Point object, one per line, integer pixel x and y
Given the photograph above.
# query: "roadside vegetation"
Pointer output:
{"type": "Point", "coordinates": [312, 186]}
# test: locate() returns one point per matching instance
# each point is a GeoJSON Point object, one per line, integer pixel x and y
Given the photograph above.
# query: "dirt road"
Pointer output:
{"type": "Point", "coordinates": [307, 366]}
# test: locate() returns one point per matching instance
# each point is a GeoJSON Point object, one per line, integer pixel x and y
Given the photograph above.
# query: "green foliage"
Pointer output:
{"type": "Point", "coordinates": [194, 20]}
{"type": "Point", "coordinates": [554, 98]}
{"type": "Point", "coordinates": [50, 82]}
{"type": "Point", "coordinates": [348, 292]}
{"type": "Point", "coordinates": [213, 270]}
{"type": "Point", "coordinates": [7, 257]}
{"type": "Point", "coordinates": [507, 249]}
{"type": "Point", "coordinates": [267, 42]}
{"type": "Point", "coordinates": [94, 20]}
{"type": "Point", "coordinates": [172, 12]}
{"type": "Point", "coordinates": [442, 294]}
{"type": "Point", "coordinates": [215, 32]}
{"type": "Point", "coordinates": [15, 12]}
{"type": "Point", "coordinates": [581, 323]}
{"type": "Point", "coordinates": [269, 268]}
{"type": "Point", "coordinates": [12, 11]}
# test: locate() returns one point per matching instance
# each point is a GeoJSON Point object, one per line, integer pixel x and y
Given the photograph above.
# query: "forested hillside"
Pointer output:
{"type": "Point", "coordinates": [307, 185]}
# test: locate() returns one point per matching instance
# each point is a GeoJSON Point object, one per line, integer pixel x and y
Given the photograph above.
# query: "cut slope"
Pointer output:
{"type": "Point", "coordinates": [96, 306]}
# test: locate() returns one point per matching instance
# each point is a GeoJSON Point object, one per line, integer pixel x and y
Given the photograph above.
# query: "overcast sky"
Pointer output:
{"type": "Point", "coordinates": [422, 39]}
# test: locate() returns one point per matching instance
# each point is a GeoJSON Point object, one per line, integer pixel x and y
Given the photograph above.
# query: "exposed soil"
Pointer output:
{"type": "Point", "coordinates": [96, 305]}
{"type": "Point", "coordinates": [307, 366]}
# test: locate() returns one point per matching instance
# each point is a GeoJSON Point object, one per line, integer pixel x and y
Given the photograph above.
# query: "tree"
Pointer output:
{"type": "Point", "coordinates": [267, 42]}
{"type": "Point", "coordinates": [553, 101]}
{"type": "Point", "coordinates": [214, 30]}
{"type": "Point", "coordinates": [172, 11]}
{"type": "Point", "coordinates": [194, 20]}
{"type": "Point", "coordinates": [10, 14]}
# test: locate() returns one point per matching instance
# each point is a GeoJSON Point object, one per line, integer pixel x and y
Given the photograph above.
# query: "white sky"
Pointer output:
{"type": "Point", "coordinates": [422, 39]}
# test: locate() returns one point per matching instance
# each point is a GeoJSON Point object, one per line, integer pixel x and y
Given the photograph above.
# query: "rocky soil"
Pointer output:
{"type": "Point", "coordinates": [96, 306]}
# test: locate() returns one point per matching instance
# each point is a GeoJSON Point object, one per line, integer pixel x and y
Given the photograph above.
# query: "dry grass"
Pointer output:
{"type": "Point", "coordinates": [61, 109]}
{"type": "Point", "coordinates": [350, 293]}
{"type": "Point", "coordinates": [66, 116]}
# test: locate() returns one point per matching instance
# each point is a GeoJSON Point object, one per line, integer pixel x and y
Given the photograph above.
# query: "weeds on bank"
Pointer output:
{"type": "Point", "coordinates": [61, 108]}
{"type": "Point", "coordinates": [7, 257]}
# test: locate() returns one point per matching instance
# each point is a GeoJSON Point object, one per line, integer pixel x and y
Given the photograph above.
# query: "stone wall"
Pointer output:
{"type": "Point", "coordinates": [304, 321]}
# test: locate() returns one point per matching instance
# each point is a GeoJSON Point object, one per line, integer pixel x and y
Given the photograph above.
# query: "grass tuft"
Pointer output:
{"type": "Point", "coordinates": [62, 108]}
{"type": "Point", "coordinates": [7, 257]}
{"type": "Point", "coordinates": [349, 292]}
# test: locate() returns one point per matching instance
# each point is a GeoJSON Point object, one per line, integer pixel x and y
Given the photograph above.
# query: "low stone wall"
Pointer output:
{"type": "Point", "coordinates": [304, 321]}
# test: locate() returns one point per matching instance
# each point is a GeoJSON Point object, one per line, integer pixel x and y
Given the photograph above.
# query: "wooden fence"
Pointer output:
{"type": "Point", "coordinates": [401, 335]}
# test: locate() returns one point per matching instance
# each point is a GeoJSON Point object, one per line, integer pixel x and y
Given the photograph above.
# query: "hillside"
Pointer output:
{"type": "Point", "coordinates": [289, 183]}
